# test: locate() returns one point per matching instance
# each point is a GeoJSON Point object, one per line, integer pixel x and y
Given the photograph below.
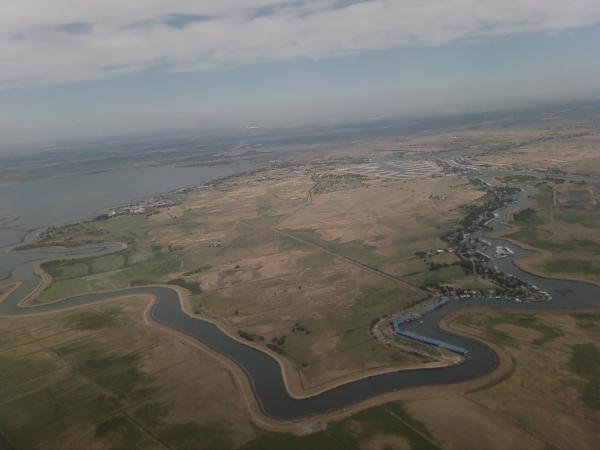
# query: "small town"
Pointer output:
{"type": "Point", "coordinates": [141, 207]}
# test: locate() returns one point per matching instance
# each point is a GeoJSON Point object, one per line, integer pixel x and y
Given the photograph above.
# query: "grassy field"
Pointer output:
{"type": "Point", "coordinates": [143, 260]}
{"type": "Point", "coordinates": [548, 398]}
{"type": "Point", "coordinates": [569, 239]}
{"type": "Point", "coordinates": [453, 275]}
{"type": "Point", "coordinates": [99, 377]}
{"type": "Point", "coordinates": [572, 149]}
{"type": "Point", "coordinates": [299, 274]}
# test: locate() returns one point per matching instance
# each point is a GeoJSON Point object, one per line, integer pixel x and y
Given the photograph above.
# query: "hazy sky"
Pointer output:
{"type": "Point", "coordinates": [71, 68]}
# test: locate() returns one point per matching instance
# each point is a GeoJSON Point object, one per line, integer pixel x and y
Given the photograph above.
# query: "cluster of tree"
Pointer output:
{"type": "Point", "coordinates": [245, 335]}
{"type": "Point", "coordinates": [524, 215]}
{"type": "Point", "coordinates": [279, 340]}
{"type": "Point", "coordinates": [300, 328]}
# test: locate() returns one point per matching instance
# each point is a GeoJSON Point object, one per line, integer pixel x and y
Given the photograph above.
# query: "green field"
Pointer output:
{"type": "Point", "coordinates": [454, 275]}
{"type": "Point", "coordinates": [102, 378]}
{"type": "Point", "coordinates": [570, 239]}
{"type": "Point", "coordinates": [585, 362]}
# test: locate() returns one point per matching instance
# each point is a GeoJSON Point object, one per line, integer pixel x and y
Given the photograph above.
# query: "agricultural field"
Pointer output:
{"type": "Point", "coordinates": [101, 377]}
{"type": "Point", "coordinates": [571, 149]}
{"type": "Point", "coordinates": [546, 396]}
{"type": "Point", "coordinates": [300, 271]}
{"type": "Point", "coordinates": [564, 230]}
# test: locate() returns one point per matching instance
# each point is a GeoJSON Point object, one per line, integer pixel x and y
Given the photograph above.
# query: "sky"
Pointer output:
{"type": "Point", "coordinates": [72, 68]}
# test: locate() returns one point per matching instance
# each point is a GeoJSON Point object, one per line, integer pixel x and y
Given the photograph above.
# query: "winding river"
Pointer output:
{"type": "Point", "coordinates": [264, 372]}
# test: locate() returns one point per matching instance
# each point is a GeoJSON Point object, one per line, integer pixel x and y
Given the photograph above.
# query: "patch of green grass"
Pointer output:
{"type": "Point", "coordinates": [528, 321]}
{"type": "Point", "coordinates": [316, 260]}
{"type": "Point", "coordinates": [118, 373]}
{"type": "Point", "coordinates": [495, 382]}
{"type": "Point", "coordinates": [128, 229]}
{"type": "Point", "coordinates": [448, 274]}
{"type": "Point", "coordinates": [530, 218]}
{"type": "Point", "coordinates": [588, 219]}
{"type": "Point", "coordinates": [88, 320]}
{"type": "Point", "coordinates": [141, 260]}
{"type": "Point", "coordinates": [287, 243]}
{"type": "Point", "coordinates": [156, 269]}
{"type": "Point", "coordinates": [151, 414]}
{"type": "Point", "coordinates": [33, 419]}
{"type": "Point", "coordinates": [585, 362]}
{"type": "Point", "coordinates": [533, 231]}
{"type": "Point", "coordinates": [16, 370]}
{"type": "Point", "coordinates": [123, 432]}
{"type": "Point", "coordinates": [398, 411]}
{"type": "Point", "coordinates": [518, 178]}
{"type": "Point", "coordinates": [499, 337]}
{"type": "Point", "coordinates": [572, 266]}
{"type": "Point", "coordinates": [58, 394]}
{"type": "Point", "coordinates": [588, 245]}
{"type": "Point", "coordinates": [196, 271]}
{"type": "Point", "coordinates": [66, 269]}
{"type": "Point", "coordinates": [354, 432]}
{"type": "Point", "coordinates": [353, 344]}
{"type": "Point", "coordinates": [212, 435]}
{"type": "Point", "coordinates": [356, 249]}
{"type": "Point", "coordinates": [61, 289]}
{"type": "Point", "coordinates": [544, 198]}
{"type": "Point", "coordinates": [192, 286]}
{"type": "Point", "coordinates": [525, 321]}
{"type": "Point", "coordinates": [266, 220]}
{"type": "Point", "coordinates": [111, 262]}
{"type": "Point", "coordinates": [380, 298]}
{"type": "Point", "coordinates": [588, 322]}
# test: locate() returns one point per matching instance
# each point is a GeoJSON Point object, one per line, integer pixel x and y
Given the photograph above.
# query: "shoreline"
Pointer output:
{"type": "Point", "coordinates": [214, 182]}
{"type": "Point", "coordinates": [289, 374]}
{"type": "Point", "coordinates": [244, 382]}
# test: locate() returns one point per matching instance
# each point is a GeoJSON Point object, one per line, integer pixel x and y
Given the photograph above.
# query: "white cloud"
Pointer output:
{"type": "Point", "coordinates": [60, 41]}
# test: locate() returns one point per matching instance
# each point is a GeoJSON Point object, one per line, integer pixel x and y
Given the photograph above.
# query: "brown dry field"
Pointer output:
{"type": "Point", "coordinates": [302, 274]}
{"type": "Point", "coordinates": [289, 259]}
{"type": "Point", "coordinates": [461, 139]}
{"type": "Point", "coordinates": [574, 198]}
{"type": "Point", "coordinates": [571, 147]}
{"type": "Point", "coordinates": [576, 154]}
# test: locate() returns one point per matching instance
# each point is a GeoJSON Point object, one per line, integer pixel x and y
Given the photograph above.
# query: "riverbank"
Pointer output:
{"type": "Point", "coordinates": [289, 374]}
{"type": "Point", "coordinates": [295, 426]}
{"type": "Point", "coordinates": [291, 387]}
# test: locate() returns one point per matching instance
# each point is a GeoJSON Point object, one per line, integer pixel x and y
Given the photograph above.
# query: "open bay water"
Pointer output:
{"type": "Point", "coordinates": [55, 201]}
